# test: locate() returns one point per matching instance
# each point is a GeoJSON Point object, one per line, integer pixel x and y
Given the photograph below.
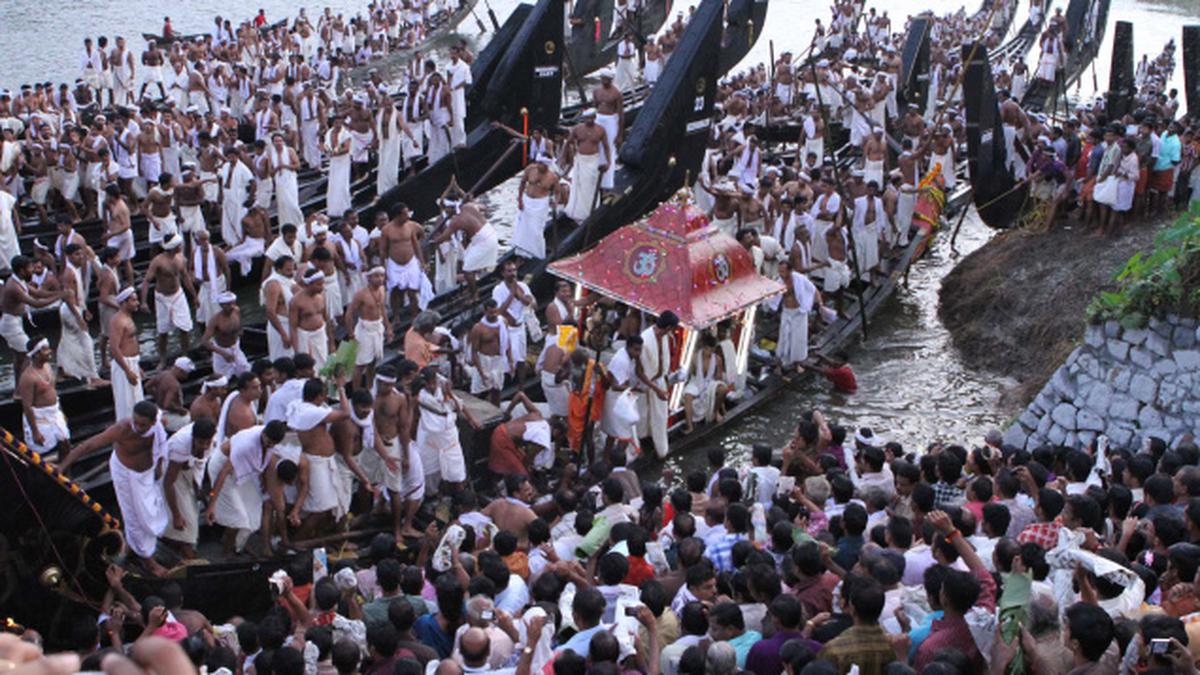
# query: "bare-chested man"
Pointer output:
{"type": "Point", "coordinates": [108, 284]}
{"type": "Point", "coordinates": [489, 353]}
{"type": "Point", "coordinates": [43, 420]}
{"type": "Point", "coordinates": [117, 233]}
{"type": "Point", "coordinates": [403, 475]}
{"type": "Point", "coordinates": [277, 293]}
{"type": "Point", "coordinates": [166, 390]}
{"type": "Point", "coordinates": [533, 209]}
{"type": "Point", "coordinates": [76, 349]}
{"type": "Point", "coordinates": [152, 69]}
{"type": "Point", "coordinates": [171, 276]}
{"type": "Point", "coordinates": [561, 309]}
{"type": "Point", "coordinates": [591, 156]}
{"type": "Point", "coordinates": [308, 319]}
{"type": "Point", "coordinates": [208, 404]}
{"type": "Point", "coordinates": [15, 300]}
{"type": "Point", "coordinates": [366, 319]}
{"type": "Point", "coordinates": [326, 495]}
{"type": "Point", "coordinates": [513, 514]}
{"type": "Point", "coordinates": [136, 440]}
{"type": "Point", "coordinates": [400, 248]}
{"type": "Point", "coordinates": [482, 243]}
{"type": "Point", "coordinates": [223, 337]}
{"type": "Point", "coordinates": [123, 345]}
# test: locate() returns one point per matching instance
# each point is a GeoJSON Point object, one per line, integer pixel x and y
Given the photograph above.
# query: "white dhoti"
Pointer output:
{"type": "Point", "coordinates": [619, 419]}
{"type": "Point", "coordinates": [173, 422]}
{"type": "Point", "coordinates": [407, 485]}
{"type": "Point", "coordinates": [245, 252]}
{"type": "Point", "coordinates": [726, 225]}
{"type": "Point", "coordinates": [40, 190]}
{"type": "Point", "coordinates": [483, 251]}
{"type": "Point", "coordinates": [360, 145]}
{"type": "Point", "coordinates": [793, 336]}
{"type": "Point", "coordinates": [206, 301]}
{"type": "Point", "coordinates": [231, 367]}
{"type": "Point", "coordinates": [406, 277]}
{"type": "Point", "coordinates": [704, 396]}
{"type": "Point", "coordinates": [185, 502]}
{"type": "Point", "coordinates": [557, 394]}
{"type": "Point", "coordinates": [161, 228]}
{"type": "Point", "coordinates": [191, 219]}
{"type": "Point", "coordinates": [439, 143]}
{"type": "Point", "coordinates": [369, 335]}
{"type": "Point", "coordinates": [310, 142]}
{"type": "Point", "coordinates": [76, 350]}
{"type": "Point", "coordinates": [287, 199]}
{"type": "Point", "coordinates": [866, 243]}
{"type": "Point", "coordinates": [490, 373]}
{"type": "Point", "coordinates": [126, 395]}
{"type": "Point", "coordinates": [212, 187]}
{"type": "Point", "coordinates": [441, 455]}
{"type": "Point", "coordinates": [143, 509]}
{"type": "Point", "coordinates": [264, 192]}
{"type": "Point", "coordinates": [652, 419]}
{"type": "Point", "coordinates": [837, 276]}
{"type": "Point", "coordinates": [172, 312]}
{"type": "Point", "coordinates": [815, 146]}
{"type": "Point", "coordinates": [275, 348]}
{"type": "Point", "coordinates": [12, 329]}
{"type": "Point", "coordinates": [52, 424]}
{"type": "Point", "coordinates": [239, 504]}
{"type": "Point", "coordinates": [333, 298]}
{"type": "Point", "coordinates": [151, 166]}
{"type": "Point", "coordinates": [198, 99]}
{"type": "Point", "coordinates": [123, 242]}
{"type": "Point", "coordinates": [315, 343]}
{"type": "Point", "coordinates": [585, 182]}
{"type": "Point", "coordinates": [337, 190]}
{"type": "Point", "coordinates": [873, 171]}
{"type": "Point", "coordinates": [529, 232]}
{"type": "Point", "coordinates": [626, 75]}
{"type": "Point", "coordinates": [389, 163]}
{"type": "Point", "coordinates": [612, 126]}
{"type": "Point", "coordinates": [906, 201]}
{"type": "Point", "coordinates": [412, 148]}
{"type": "Point", "coordinates": [328, 489]}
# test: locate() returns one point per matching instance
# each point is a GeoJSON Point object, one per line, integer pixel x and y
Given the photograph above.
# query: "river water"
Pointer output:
{"type": "Point", "coordinates": [913, 385]}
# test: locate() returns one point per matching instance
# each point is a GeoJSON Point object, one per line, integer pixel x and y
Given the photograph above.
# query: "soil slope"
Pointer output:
{"type": "Point", "coordinates": [1016, 305]}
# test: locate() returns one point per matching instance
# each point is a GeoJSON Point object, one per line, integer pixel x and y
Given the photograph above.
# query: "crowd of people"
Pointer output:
{"type": "Point", "coordinates": [840, 552]}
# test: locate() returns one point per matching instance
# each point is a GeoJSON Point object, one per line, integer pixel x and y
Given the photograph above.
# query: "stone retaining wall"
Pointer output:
{"type": "Point", "coordinates": [1125, 383]}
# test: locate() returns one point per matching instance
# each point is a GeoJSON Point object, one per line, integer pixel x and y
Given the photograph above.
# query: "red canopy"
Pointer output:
{"type": "Point", "coordinates": [673, 260]}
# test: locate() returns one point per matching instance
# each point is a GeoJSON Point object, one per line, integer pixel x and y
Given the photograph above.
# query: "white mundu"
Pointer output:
{"type": "Point", "coordinates": [656, 361]}
{"type": "Point", "coordinates": [179, 450]}
{"type": "Point", "coordinates": [140, 496]}
{"type": "Point", "coordinates": [793, 321]}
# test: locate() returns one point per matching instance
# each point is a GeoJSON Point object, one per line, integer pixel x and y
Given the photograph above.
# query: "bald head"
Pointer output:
{"type": "Point", "coordinates": [448, 667]}
{"type": "Point", "coordinates": [475, 646]}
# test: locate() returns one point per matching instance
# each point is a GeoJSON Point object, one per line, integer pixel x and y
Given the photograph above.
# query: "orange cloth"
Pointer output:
{"type": "Point", "coordinates": [417, 349]}
{"type": "Point", "coordinates": [1142, 181]}
{"type": "Point", "coordinates": [518, 564]}
{"type": "Point", "coordinates": [577, 407]}
{"type": "Point", "coordinates": [1162, 181]}
{"type": "Point", "coordinates": [504, 457]}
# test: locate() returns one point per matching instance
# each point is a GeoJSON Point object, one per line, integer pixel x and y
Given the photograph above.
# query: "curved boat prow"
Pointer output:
{"type": "Point", "coordinates": [914, 69]}
{"type": "Point", "coordinates": [1121, 88]}
{"type": "Point", "coordinates": [995, 190]}
{"type": "Point", "coordinates": [527, 78]}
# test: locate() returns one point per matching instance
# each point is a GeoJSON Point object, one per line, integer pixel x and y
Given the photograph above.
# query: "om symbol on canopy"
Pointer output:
{"type": "Point", "coordinates": [644, 263]}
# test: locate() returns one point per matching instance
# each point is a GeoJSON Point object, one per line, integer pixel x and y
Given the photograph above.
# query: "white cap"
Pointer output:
{"type": "Point", "coordinates": [173, 242]}
{"type": "Point", "coordinates": [226, 297]}
{"type": "Point", "coordinates": [185, 364]}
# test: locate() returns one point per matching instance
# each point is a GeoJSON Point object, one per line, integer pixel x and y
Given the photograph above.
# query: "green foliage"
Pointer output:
{"type": "Point", "coordinates": [1165, 280]}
